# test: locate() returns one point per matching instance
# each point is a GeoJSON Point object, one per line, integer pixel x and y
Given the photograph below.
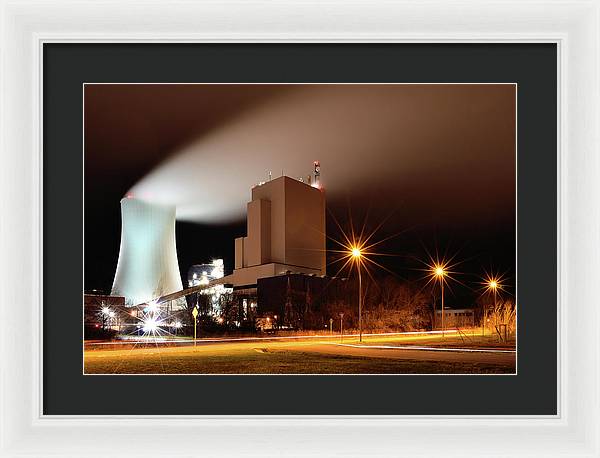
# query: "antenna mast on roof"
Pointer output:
{"type": "Point", "coordinates": [317, 183]}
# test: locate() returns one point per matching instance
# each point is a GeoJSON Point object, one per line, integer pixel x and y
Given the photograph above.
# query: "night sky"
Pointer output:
{"type": "Point", "coordinates": [435, 162]}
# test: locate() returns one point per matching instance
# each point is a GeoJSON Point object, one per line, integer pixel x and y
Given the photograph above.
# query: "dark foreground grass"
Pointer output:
{"type": "Point", "coordinates": [278, 362]}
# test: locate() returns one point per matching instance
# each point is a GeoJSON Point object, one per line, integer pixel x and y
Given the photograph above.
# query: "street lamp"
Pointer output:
{"type": "Point", "coordinates": [492, 285]}
{"type": "Point", "coordinates": [195, 315]}
{"type": "Point", "coordinates": [439, 272]}
{"type": "Point", "coordinates": [356, 255]}
{"type": "Point", "coordinates": [106, 314]}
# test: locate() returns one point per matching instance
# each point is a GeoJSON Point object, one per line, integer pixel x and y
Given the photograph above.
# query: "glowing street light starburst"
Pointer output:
{"type": "Point", "coordinates": [152, 323]}
{"type": "Point", "coordinates": [439, 270]}
{"type": "Point", "coordinates": [491, 284]}
{"type": "Point", "coordinates": [357, 250]}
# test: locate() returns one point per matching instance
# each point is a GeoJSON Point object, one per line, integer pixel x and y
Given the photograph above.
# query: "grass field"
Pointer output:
{"type": "Point", "coordinates": [281, 362]}
{"type": "Point", "coordinates": [294, 357]}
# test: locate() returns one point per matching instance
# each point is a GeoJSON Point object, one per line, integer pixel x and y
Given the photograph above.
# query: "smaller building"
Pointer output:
{"type": "Point", "coordinates": [208, 300]}
{"type": "Point", "coordinates": [202, 274]}
{"type": "Point", "coordinates": [102, 311]}
{"type": "Point", "coordinates": [455, 317]}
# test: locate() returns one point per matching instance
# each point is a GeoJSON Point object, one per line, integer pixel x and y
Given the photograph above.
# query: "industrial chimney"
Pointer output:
{"type": "Point", "coordinates": [147, 266]}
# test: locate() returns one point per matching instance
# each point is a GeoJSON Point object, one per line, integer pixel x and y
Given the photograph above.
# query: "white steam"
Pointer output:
{"type": "Point", "coordinates": [373, 134]}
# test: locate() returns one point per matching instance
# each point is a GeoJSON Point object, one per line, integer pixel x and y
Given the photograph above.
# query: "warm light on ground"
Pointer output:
{"type": "Point", "coordinates": [308, 355]}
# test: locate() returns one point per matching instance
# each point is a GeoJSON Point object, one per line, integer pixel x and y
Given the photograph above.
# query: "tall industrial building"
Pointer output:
{"type": "Point", "coordinates": [286, 233]}
{"type": "Point", "coordinates": [147, 266]}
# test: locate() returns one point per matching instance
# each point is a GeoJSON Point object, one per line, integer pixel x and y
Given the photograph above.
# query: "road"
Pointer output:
{"type": "Point", "coordinates": [488, 356]}
{"type": "Point", "coordinates": [383, 353]}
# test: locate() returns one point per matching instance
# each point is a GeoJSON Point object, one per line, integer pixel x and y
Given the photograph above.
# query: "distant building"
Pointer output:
{"type": "Point", "coordinates": [103, 311]}
{"type": "Point", "coordinates": [462, 317]}
{"type": "Point", "coordinates": [203, 274]}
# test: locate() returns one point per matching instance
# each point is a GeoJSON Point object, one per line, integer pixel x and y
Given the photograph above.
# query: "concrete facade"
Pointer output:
{"type": "Point", "coordinates": [285, 233]}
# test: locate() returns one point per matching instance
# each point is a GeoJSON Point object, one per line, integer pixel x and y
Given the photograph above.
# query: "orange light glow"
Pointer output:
{"type": "Point", "coordinates": [493, 283]}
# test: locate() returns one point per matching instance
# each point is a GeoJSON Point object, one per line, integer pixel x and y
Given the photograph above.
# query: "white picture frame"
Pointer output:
{"type": "Point", "coordinates": [573, 25]}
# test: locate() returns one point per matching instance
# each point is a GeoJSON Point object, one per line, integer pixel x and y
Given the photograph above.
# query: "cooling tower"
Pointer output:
{"type": "Point", "coordinates": [147, 266]}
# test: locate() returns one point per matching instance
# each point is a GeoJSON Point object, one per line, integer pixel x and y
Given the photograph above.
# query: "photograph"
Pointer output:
{"type": "Point", "coordinates": [307, 228]}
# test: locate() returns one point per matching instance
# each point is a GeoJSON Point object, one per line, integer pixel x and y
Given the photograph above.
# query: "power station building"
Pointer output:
{"type": "Point", "coordinates": [280, 266]}
{"type": "Point", "coordinates": [285, 233]}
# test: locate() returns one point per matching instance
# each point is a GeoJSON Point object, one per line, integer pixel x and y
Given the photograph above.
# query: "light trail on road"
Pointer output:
{"type": "Point", "coordinates": [411, 347]}
{"type": "Point", "coordinates": [130, 341]}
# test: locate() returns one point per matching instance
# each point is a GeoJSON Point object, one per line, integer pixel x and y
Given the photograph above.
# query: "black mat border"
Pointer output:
{"type": "Point", "coordinates": [532, 392]}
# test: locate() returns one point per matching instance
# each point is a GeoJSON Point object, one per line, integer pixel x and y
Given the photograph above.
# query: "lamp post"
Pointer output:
{"type": "Point", "coordinates": [356, 255]}
{"type": "Point", "coordinates": [439, 272]}
{"type": "Point", "coordinates": [493, 287]}
{"type": "Point", "coordinates": [341, 326]}
{"type": "Point", "coordinates": [195, 315]}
